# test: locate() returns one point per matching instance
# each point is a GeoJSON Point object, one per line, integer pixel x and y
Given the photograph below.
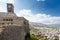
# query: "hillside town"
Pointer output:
{"type": "Point", "coordinates": [50, 32]}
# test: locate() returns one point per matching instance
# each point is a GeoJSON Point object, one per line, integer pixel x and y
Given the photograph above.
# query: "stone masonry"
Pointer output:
{"type": "Point", "coordinates": [13, 27]}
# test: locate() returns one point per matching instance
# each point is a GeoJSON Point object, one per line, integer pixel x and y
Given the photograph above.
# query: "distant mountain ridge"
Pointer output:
{"type": "Point", "coordinates": [38, 24]}
{"type": "Point", "coordinates": [55, 25]}
{"type": "Point", "coordinates": [43, 25]}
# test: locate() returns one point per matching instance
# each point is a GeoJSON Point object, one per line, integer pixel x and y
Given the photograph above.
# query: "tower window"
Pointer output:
{"type": "Point", "coordinates": [11, 19]}
{"type": "Point", "coordinates": [2, 23]}
{"type": "Point", "coordinates": [9, 10]}
{"type": "Point", "coordinates": [3, 19]}
{"type": "Point", "coordinates": [25, 22]}
{"type": "Point", "coordinates": [7, 19]}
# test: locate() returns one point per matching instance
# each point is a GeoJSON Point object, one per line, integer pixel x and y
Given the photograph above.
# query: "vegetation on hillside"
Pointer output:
{"type": "Point", "coordinates": [42, 37]}
{"type": "Point", "coordinates": [38, 37]}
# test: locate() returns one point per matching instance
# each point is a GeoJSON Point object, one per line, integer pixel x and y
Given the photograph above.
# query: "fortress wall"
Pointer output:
{"type": "Point", "coordinates": [13, 33]}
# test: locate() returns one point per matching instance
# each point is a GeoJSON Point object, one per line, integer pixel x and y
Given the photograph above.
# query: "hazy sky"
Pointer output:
{"type": "Point", "coordinates": [42, 11]}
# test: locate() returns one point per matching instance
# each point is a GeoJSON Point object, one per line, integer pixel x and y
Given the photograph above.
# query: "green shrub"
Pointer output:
{"type": "Point", "coordinates": [33, 37]}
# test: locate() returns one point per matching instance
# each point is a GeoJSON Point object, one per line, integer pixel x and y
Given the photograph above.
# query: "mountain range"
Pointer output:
{"type": "Point", "coordinates": [43, 25]}
{"type": "Point", "coordinates": [38, 24]}
{"type": "Point", "coordinates": [35, 28]}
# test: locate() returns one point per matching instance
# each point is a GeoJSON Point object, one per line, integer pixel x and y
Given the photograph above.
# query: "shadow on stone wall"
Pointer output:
{"type": "Point", "coordinates": [27, 37]}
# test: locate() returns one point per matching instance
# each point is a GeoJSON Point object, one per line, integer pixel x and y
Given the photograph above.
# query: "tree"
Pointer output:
{"type": "Point", "coordinates": [56, 37]}
{"type": "Point", "coordinates": [33, 37]}
{"type": "Point", "coordinates": [45, 38]}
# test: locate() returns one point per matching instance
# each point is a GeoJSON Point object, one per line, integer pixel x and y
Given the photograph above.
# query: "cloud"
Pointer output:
{"type": "Point", "coordinates": [1, 9]}
{"type": "Point", "coordinates": [3, 4]}
{"type": "Point", "coordinates": [7, 1]}
{"type": "Point", "coordinates": [40, 0]}
{"type": "Point", "coordinates": [39, 17]}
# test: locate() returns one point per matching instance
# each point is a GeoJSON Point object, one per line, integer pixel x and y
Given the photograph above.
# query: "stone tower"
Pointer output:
{"type": "Point", "coordinates": [10, 8]}
{"type": "Point", "coordinates": [13, 27]}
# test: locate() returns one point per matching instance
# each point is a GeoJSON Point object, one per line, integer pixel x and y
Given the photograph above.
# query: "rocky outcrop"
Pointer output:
{"type": "Point", "coordinates": [13, 33]}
